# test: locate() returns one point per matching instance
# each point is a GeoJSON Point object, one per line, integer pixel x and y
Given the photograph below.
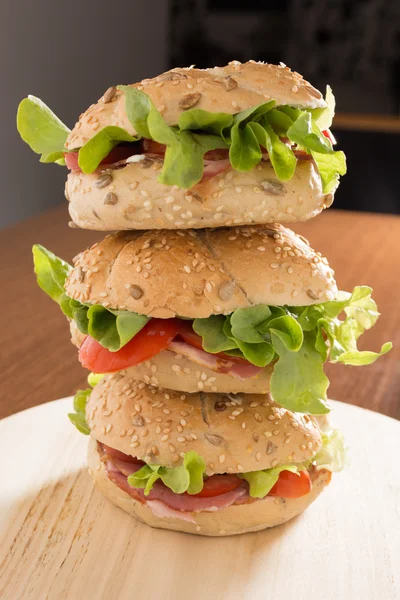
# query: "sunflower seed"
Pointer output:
{"type": "Point", "coordinates": [272, 187]}
{"type": "Point", "coordinates": [103, 181]}
{"type": "Point", "coordinates": [136, 292]}
{"type": "Point", "coordinates": [312, 295]}
{"type": "Point", "coordinates": [229, 83]}
{"type": "Point", "coordinates": [110, 198]}
{"type": "Point", "coordinates": [225, 291]}
{"type": "Point", "coordinates": [109, 94]}
{"type": "Point", "coordinates": [189, 100]}
{"type": "Point", "coordinates": [214, 439]}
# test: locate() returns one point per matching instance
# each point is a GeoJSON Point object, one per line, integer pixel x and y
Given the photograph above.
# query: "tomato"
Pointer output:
{"type": "Point", "coordinates": [217, 485]}
{"type": "Point", "coordinates": [291, 485]}
{"type": "Point", "coordinates": [328, 134]}
{"type": "Point", "coordinates": [152, 339]}
{"type": "Point", "coordinates": [152, 147]}
{"type": "Point", "coordinates": [118, 153]}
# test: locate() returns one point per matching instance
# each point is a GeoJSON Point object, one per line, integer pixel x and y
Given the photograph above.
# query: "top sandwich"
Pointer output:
{"type": "Point", "coordinates": [244, 143]}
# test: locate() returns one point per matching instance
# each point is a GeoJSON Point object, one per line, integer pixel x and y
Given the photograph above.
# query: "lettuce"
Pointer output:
{"type": "Point", "coordinates": [99, 146]}
{"type": "Point", "coordinates": [246, 134]}
{"type": "Point", "coordinates": [111, 328]}
{"type": "Point", "coordinates": [42, 130]}
{"type": "Point", "coordinates": [78, 418]}
{"type": "Point", "coordinates": [333, 453]}
{"type": "Point", "coordinates": [186, 478]}
{"type": "Point", "coordinates": [262, 482]}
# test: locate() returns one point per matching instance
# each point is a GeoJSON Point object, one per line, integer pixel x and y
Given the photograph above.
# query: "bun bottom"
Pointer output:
{"type": "Point", "coordinates": [244, 518]}
{"type": "Point", "coordinates": [170, 371]}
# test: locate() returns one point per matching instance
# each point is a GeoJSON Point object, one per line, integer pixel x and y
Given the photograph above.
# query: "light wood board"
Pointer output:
{"type": "Point", "coordinates": [60, 539]}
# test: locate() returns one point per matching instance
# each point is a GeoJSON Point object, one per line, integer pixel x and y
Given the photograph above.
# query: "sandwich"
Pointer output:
{"type": "Point", "coordinates": [204, 463]}
{"type": "Point", "coordinates": [204, 322]}
{"type": "Point", "coordinates": [233, 310]}
{"type": "Point", "coordinates": [236, 145]}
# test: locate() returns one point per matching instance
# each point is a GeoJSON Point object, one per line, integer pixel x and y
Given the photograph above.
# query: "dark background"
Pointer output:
{"type": "Point", "coordinates": [69, 53]}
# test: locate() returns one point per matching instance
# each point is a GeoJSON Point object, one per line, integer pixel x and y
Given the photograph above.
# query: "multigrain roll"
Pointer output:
{"type": "Point", "coordinates": [258, 463]}
{"type": "Point", "coordinates": [200, 273]}
{"type": "Point", "coordinates": [192, 148]}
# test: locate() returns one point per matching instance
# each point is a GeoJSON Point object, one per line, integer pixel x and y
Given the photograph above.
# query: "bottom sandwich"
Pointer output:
{"type": "Point", "coordinates": [209, 464]}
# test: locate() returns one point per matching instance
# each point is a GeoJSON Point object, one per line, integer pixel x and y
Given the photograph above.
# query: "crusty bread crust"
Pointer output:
{"type": "Point", "coordinates": [200, 273]}
{"type": "Point", "coordinates": [131, 198]}
{"type": "Point", "coordinates": [244, 518]}
{"type": "Point", "coordinates": [233, 433]}
{"type": "Point", "coordinates": [228, 89]}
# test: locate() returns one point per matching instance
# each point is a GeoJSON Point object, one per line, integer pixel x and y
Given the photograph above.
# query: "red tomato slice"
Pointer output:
{"type": "Point", "coordinates": [152, 147]}
{"type": "Point", "coordinates": [328, 134]}
{"type": "Point", "coordinates": [121, 152]}
{"type": "Point", "coordinates": [291, 485]}
{"type": "Point", "coordinates": [217, 485]}
{"type": "Point", "coordinates": [154, 337]}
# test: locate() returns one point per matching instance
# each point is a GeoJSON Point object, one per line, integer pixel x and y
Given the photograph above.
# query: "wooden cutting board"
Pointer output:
{"type": "Point", "coordinates": [60, 539]}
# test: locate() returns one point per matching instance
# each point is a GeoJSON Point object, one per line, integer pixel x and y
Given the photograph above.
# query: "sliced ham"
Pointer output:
{"type": "Point", "coordinates": [164, 512]}
{"type": "Point", "coordinates": [213, 168]}
{"type": "Point", "coordinates": [118, 472]}
{"type": "Point", "coordinates": [242, 370]}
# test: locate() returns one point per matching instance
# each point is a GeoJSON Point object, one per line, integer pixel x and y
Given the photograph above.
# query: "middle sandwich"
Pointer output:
{"type": "Point", "coordinates": [239, 310]}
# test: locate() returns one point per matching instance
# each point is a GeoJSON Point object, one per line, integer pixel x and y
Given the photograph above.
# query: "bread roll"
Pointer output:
{"type": "Point", "coordinates": [200, 273]}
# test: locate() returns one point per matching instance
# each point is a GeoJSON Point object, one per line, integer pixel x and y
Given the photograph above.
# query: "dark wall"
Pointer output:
{"type": "Point", "coordinates": [67, 53]}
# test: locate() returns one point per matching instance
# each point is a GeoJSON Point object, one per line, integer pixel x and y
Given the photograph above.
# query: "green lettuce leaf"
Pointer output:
{"type": "Point", "coordinates": [186, 478]}
{"type": "Point", "coordinates": [99, 146]}
{"type": "Point", "coordinates": [197, 119]}
{"type": "Point", "coordinates": [298, 381]}
{"type": "Point", "coordinates": [78, 418]}
{"type": "Point", "coordinates": [111, 328]}
{"type": "Point", "coordinates": [183, 162]}
{"type": "Point", "coordinates": [330, 166]}
{"type": "Point", "coordinates": [95, 378]}
{"type": "Point", "coordinates": [245, 323]}
{"type": "Point", "coordinates": [306, 134]}
{"type": "Point", "coordinates": [39, 127]}
{"type": "Point", "coordinates": [262, 482]}
{"type": "Point", "coordinates": [281, 156]}
{"type": "Point", "coordinates": [333, 453]}
{"type": "Point", "coordinates": [51, 272]}
{"type": "Point", "coordinates": [212, 331]}
{"type": "Point", "coordinates": [323, 117]}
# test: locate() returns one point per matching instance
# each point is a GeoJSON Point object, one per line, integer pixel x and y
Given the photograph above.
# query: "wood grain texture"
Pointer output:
{"type": "Point", "coordinates": [39, 363]}
{"type": "Point", "coordinates": [60, 539]}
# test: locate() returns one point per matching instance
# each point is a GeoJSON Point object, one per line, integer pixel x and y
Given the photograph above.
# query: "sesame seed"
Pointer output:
{"type": "Point", "coordinates": [239, 467]}
{"type": "Point", "coordinates": [274, 462]}
{"type": "Point", "coordinates": [243, 425]}
{"type": "Point", "coordinates": [274, 265]}
{"type": "Point", "coordinates": [186, 269]}
{"type": "Point", "coordinates": [290, 270]}
{"type": "Point", "coordinates": [181, 439]}
{"type": "Point", "coordinates": [222, 458]}
{"type": "Point", "coordinates": [166, 436]}
{"type": "Point", "coordinates": [261, 248]}
{"type": "Point", "coordinates": [258, 456]}
{"type": "Point", "coordinates": [108, 428]}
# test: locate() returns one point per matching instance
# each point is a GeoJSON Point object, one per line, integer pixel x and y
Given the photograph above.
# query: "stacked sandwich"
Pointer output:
{"type": "Point", "coordinates": [204, 321]}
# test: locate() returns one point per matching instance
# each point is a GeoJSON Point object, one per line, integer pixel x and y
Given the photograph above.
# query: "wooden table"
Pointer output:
{"type": "Point", "coordinates": [39, 363]}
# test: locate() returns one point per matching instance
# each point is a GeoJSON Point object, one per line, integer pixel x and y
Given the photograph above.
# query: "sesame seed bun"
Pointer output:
{"type": "Point", "coordinates": [233, 433]}
{"type": "Point", "coordinates": [243, 518]}
{"type": "Point", "coordinates": [228, 89]}
{"type": "Point", "coordinates": [130, 197]}
{"type": "Point", "coordinates": [200, 273]}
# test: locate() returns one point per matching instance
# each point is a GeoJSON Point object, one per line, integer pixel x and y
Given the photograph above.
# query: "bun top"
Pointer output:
{"type": "Point", "coordinates": [199, 273]}
{"type": "Point", "coordinates": [232, 432]}
{"type": "Point", "coordinates": [228, 89]}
